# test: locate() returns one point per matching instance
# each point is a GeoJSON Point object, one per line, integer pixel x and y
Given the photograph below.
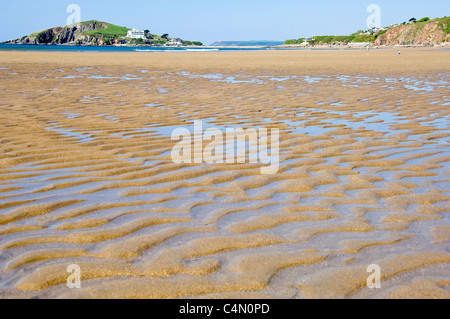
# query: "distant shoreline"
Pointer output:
{"type": "Point", "coordinates": [283, 46]}
{"type": "Point", "coordinates": [372, 46]}
{"type": "Point", "coordinates": [143, 48]}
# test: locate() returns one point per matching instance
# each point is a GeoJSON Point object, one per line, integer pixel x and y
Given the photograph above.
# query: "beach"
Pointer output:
{"type": "Point", "coordinates": [87, 177]}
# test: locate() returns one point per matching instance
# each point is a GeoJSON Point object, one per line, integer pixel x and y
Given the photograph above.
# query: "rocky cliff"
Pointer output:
{"type": "Point", "coordinates": [77, 34]}
{"type": "Point", "coordinates": [93, 33]}
{"type": "Point", "coordinates": [428, 32]}
{"type": "Point", "coordinates": [422, 32]}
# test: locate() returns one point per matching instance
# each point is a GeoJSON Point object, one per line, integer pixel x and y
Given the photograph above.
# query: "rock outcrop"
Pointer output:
{"type": "Point", "coordinates": [72, 34]}
{"type": "Point", "coordinates": [430, 32]}
{"type": "Point", "coordinates": [95, 33]}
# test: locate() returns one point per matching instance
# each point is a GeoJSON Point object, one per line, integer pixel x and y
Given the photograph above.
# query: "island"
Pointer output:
{"type": "Point", "coordinates": [98, 33]}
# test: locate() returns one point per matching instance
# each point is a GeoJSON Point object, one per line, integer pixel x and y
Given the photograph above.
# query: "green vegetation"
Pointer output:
{"type": "Point", "coordinates": [136, 41]}
{"type": "Point", "coordinates": [104, 34]}
{"type": "Point", "coordinates": [35, 34]}
{"type": "Point", "coordinates": [192, 42]}
{"type": "Point", "coordinates": [420, 24]}
{"type": "Point", "coordinates": [333, 39]}
{"type": "Point", "coordinates": [292, 41]}
{"type": "Point", "coordinates": [147, 42]}
{"type": "Point", "coordinates": [424, 20]}
{"type": "Point", "coordinates": [330, 39]}
{"type": "Point", "coordinates": [444, 24]}
{"type": "Point", "coordinates": [41, 38]}
{"type": "Point", "coordinates": [360, 36]}
{"type": "Point", "coordinates": [108, 35]}
{"type": "Point", "coordinates": [112, 31]}
{"type": "Point", "coordinates": [447, 28]}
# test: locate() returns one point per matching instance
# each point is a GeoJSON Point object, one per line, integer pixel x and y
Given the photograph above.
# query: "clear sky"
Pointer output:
{"type": "Point", "coordinates": [213, 20]}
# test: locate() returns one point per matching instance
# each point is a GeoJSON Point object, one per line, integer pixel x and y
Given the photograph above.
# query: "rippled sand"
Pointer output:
{"type": "Point", "coordinates": [86, 175]}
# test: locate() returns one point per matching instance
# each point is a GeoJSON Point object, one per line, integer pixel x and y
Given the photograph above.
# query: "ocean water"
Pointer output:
{"type": "Point", "coordinates": [26, 47]}
{"type": "Point", "coordinates": [29, 47]}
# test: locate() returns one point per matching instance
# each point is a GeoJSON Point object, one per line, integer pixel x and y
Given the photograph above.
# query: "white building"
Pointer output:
{"type": "Point", "coordinates": [136, 34]}
{"type": "Point", "coordinates": [174, 42]}
{"type": "Point", "coordinates": [377, 30]}
{"type": "Point", "coordinates": [358, 44]}
{"type": "Point", "coordinates": [306, 41]}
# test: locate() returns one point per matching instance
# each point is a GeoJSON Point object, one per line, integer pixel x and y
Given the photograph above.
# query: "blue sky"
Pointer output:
{"type": "Point", "coordinates": [212, 20]}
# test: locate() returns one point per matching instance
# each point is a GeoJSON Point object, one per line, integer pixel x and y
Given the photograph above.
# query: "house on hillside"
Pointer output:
{"type": "Point", "coordinates": [306, 41]}
{"type": "Point", "coordinates": [174, 42]}
{"type": "Point", "coordinates": [136, 34]}
{"type": "Point", "coordinates": [378, 30]}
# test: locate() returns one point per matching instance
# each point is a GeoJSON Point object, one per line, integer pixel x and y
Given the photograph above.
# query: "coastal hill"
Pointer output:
{"type": "Point", "coordinates": [424, 32]}
{"type": "Point", "coordinates": [95, 33]}
{"type": "Point", "coordinates": [414, 32]}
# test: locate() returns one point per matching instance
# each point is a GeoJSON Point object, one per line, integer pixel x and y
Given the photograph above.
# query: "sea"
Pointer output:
{"type": "Point", "coordinates": [70, 48]}
{"type": "Point", "coordinates": [26, 47]}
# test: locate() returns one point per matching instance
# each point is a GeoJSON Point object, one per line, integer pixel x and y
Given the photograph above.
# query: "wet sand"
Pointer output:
{"type": "Point", "coordinates": [86, 175]}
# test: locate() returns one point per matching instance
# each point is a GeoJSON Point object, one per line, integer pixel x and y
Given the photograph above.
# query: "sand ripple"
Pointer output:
{"type": "Point", "coordinates": [86, 178]}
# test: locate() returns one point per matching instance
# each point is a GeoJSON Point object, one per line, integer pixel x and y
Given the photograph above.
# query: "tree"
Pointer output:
{"type": "Point", "coordinates": [424, 19]}
{"type": "Point", "coordinates": [165, 36]}
{"type": "Point", "coordinates": [412, 20]}
{"type": "Point", "coordinates": [148, 35]}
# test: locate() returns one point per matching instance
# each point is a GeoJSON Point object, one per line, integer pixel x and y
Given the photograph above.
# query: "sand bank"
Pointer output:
{"type": "Point", "coordinates": [86, 175]}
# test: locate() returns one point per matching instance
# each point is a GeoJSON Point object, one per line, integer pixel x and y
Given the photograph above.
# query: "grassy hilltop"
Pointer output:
{"type": "Point", "coordinates": [92, 32]}
{"type": "Point", "coordinates": [423, 31]}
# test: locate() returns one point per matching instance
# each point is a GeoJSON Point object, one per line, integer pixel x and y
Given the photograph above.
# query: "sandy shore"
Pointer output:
{"type": "Point", "coordinates": [86, 175]}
